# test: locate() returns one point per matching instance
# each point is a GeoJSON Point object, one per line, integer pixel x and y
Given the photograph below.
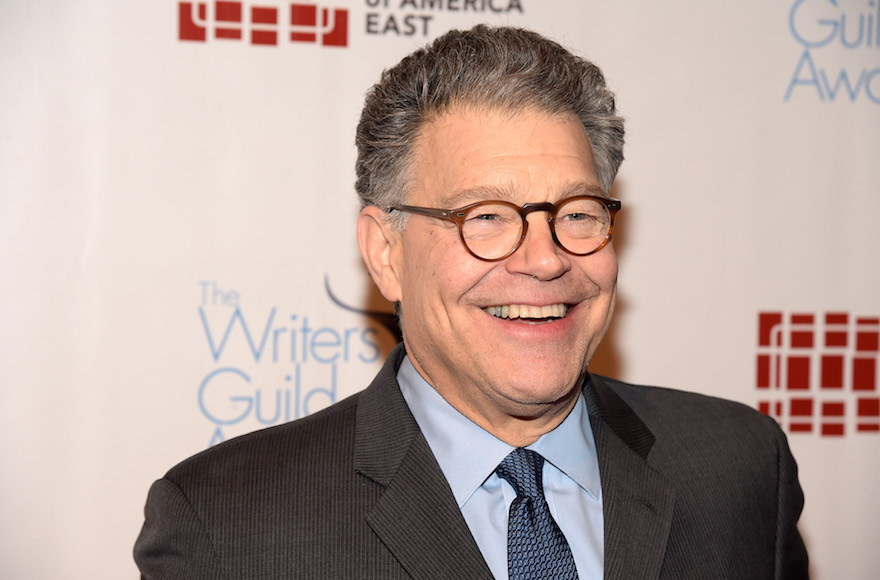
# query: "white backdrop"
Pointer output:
{"type": "Point", "coordinates": [174, 210]}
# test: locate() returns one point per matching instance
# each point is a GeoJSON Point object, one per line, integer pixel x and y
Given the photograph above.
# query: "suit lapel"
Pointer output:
{"type": "Point", "coordinates": [416, 517]}
{"type": "Point", "coordinates": [638, 501]}
{"type": "Point", "coordinates": [419, 522]}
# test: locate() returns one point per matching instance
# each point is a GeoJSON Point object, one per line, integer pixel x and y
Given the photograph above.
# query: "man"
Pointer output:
{"type": "Point", "coordinates": [484, 447]}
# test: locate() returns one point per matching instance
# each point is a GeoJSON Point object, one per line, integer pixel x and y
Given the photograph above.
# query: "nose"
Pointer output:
{"type": "Point", "coordinates": [539, 255]}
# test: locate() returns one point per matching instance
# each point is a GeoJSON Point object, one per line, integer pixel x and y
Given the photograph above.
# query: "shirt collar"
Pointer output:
{"type": "Point", "coordinates": [468, 454]}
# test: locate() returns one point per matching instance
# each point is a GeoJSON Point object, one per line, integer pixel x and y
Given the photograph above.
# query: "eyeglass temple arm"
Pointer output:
{"type": "Point", "coordinates": [428, 211]}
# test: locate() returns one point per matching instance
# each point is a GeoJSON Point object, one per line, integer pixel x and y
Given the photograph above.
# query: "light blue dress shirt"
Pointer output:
{"type": "Point", "coordinates": [468, 456]}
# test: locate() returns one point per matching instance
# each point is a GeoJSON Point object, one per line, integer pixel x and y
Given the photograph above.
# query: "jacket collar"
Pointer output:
{"type": "Point", "coordinates": [417, 517]}
{"type": "Point", "coordinates": [638, 500]}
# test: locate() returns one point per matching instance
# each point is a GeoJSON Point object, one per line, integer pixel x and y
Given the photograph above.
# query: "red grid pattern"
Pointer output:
{"type": "Point", "coordinates": [308, 23]}
{"type": "Point", "coordinates": [805, 359]}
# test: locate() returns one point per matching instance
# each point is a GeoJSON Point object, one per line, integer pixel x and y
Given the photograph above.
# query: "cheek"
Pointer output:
{"type": "Point", "coordinates": [604, 271]}
{"type": "Point", "coordinates": [425, 272]}
{"type": "Point", "coordinates": [598, 271]}
{"type": "Point", "coordinates": [439, 265]}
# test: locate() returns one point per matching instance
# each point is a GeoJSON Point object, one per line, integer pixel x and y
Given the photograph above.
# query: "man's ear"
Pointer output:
{"type": "Point", "coordinates": [379, 242]}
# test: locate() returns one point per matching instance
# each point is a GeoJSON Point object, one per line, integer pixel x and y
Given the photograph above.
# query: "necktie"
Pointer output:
{"type": "Point", "coordinates": [536, 547]}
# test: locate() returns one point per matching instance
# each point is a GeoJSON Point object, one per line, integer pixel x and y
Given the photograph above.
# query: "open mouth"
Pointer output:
{"type": "Point", "coordinates": [524, 312]}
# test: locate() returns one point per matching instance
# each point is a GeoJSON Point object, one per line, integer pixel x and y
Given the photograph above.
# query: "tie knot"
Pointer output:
{"type": "Point", "coordinates": [522, 469]}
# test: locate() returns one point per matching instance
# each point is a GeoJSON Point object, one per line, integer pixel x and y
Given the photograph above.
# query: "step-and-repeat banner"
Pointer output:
{"type": "Point", "coordinates": [178, 262]}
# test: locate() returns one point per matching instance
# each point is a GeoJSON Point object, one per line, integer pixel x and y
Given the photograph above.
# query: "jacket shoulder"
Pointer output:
{"type": "Point", "coordinates": [669, 410]}
{"type": "Point", "coordinates": [324, 437]}
{"type": "Point", "coordinates": [737, 496]}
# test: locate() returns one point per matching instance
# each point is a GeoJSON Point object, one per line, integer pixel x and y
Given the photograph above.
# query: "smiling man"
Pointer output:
{"type": "Point", "coordinates": [485, 448]}
{"type": "Point", "coordinates": [504, 342]}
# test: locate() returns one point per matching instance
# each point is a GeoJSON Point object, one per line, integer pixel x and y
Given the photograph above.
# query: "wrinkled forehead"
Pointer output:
{"type": "Point", "coordinates": [511, 193]}
{"type": "Point", "coordinates": [473, 154]}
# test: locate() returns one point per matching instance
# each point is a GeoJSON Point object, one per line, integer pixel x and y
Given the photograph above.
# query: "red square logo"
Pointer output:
{"type": "Point", "coordinates": [797, 373]}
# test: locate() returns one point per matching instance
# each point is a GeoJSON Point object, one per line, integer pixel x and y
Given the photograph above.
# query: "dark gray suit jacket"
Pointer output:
{"type": "Point", "coordinates": [693, 487]}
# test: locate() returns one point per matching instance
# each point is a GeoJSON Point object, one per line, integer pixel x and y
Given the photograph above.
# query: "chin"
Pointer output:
{"type": "Point", "coordinates": [547, 393]}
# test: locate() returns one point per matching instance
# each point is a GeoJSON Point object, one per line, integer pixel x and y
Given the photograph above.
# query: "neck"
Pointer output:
{"type": "Point", "coordinates": [519, 424]}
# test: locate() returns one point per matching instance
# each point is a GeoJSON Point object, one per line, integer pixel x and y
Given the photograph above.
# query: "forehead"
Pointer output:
{"type": "Point", "coordinates": [467, 155]}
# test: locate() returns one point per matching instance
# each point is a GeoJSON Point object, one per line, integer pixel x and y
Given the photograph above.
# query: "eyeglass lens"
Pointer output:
{"type": "Point", "coordinates": [493, 230]}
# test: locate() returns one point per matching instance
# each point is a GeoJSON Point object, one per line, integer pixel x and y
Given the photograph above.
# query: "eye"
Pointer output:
{"type": "Point", "coordinates": [484, 216]}
{"type": "Point", "coordinates": [492, 214]}
{"type": "Point", "coordinates": [582, 213]}
{"type": "Point", "coordinates": [577, 216]}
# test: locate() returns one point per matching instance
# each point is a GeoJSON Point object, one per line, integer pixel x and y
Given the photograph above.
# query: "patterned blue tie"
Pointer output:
{"type": "Point", "coordinates": [536, 547]}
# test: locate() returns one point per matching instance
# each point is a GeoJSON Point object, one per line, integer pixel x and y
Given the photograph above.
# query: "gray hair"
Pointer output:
{"type": "Point", "coordinates": [504, 68]}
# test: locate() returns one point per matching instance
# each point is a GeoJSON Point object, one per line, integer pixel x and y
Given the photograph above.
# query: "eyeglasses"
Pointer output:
{"type": "Point", "coordinates": [493, 230]}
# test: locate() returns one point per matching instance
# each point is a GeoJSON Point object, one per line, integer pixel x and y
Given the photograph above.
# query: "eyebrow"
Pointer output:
{"type": "Point", "coordinates": [507, 193]}
{"type": "Point", "coordinates": [470, 195]}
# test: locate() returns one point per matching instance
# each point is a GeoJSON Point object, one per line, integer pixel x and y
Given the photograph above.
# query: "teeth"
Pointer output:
{"type": "Point", "coordinates": [524, 311]}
